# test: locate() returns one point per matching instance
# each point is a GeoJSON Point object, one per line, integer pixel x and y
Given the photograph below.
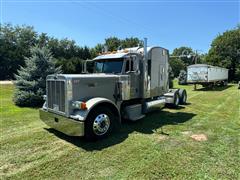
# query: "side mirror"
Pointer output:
{"type": "Point", "coordinates": [84, 67]}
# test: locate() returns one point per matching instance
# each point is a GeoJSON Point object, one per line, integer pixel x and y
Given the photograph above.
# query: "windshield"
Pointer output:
{"type": "Point", "coordinates": [109, 66]}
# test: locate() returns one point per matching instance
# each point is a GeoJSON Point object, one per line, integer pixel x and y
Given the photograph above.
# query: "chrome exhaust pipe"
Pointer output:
{"type": "Point", "coordinates": [145, 49]}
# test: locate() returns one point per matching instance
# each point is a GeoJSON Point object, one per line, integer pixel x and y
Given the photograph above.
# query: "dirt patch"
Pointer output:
{"type": "Point", "coordinates": [157, 137]}
{"type": "Point", "coordinates": [199, 137]}
{"type": "Point", "coordinates": [187, 132]}
{"type": "Point", "coordinates": [162, 137]}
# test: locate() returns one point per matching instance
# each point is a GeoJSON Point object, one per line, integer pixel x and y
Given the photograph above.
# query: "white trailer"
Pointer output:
{"type": "Point", "coordinates": [206, 75]}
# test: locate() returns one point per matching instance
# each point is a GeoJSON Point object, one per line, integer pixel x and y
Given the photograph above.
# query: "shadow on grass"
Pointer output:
{"type": "Point", "coordinates": [147, 125]}
{"type": "Point", "coordinates": [178, 107]}
{"type": "Point", "coordinates": [214, 88]}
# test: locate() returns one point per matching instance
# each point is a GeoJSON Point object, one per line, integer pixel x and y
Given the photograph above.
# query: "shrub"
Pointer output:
{"type": "Point", "coordinates": [31, 79]}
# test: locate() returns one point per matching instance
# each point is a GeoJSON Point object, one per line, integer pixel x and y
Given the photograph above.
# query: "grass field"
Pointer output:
{"type": "Point", "coordinates": [157, 147]}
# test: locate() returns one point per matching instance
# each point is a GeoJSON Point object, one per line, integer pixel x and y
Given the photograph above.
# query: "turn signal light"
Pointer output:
{"type": "Point", "coordinates": [83, 105]}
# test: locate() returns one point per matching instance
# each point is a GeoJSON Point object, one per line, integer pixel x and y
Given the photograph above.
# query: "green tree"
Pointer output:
{"type": "Point", "coordinates": [68, 55]}
{"type": "Point", "coordinates": [31, 79]}
{"type": "Point", "coordinates": [112, 43]}
{"type": "Point", "coordinates": [43, 40]}
{"type": "Point", "coordinates": [70, 66]}
{"type": "Point", "coordinates": [183, 52]}
{"type": "Point", "coordinates": [131, 42]}
{"type": "Point", "coordinates": [177, 65]}
{"type": "Point", "coordinates": [96, 50]}
{"type": "Point", "coordinates": [86, 53]}
{"type": "Point", "coordinates": [15, 43]}
{"type": "Point", "coordinates": [225, 52]}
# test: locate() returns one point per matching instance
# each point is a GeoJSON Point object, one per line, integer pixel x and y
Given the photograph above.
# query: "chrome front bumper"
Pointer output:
{"type": "Point", "coordinates": [65, 125]}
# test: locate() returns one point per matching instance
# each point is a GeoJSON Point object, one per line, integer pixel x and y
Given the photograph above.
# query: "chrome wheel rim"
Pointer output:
{"type": "Point", "coordinates": [101, 124]}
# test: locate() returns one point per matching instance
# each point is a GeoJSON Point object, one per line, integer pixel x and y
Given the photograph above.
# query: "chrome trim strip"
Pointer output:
{"type": "Point", "coordinates": [68, 95]}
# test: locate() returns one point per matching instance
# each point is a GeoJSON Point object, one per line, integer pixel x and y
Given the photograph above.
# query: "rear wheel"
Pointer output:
{"type": "Point", "coordinates": [176, 99]}
{"type": "Point", "coordinates": [182, 96]}
{"type": "Point", "coordinates": [99, 123]}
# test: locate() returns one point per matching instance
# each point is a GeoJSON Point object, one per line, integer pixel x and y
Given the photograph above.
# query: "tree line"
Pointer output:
{"type": "Point", "coordinates": [16, 42]}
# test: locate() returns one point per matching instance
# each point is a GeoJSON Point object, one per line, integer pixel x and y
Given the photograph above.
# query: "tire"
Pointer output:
{"type": "Point", "coordinates": [225, 83]}
{"type": "Point", "coordinates": [182, 96]}
{"type": "Point", "coordinates": [222, 84]}
{"type": "Point", "coordinates": [176, 99]}
{"type": "Point", "coordinates": [99, 123]}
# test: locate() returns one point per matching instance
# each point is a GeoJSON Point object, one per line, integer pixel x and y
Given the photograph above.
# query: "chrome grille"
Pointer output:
{"type": "Point", "coordinates": [56, 95]}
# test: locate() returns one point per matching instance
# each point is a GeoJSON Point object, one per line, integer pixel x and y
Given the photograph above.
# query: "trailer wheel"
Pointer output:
{"type": "Point", "coordinates": [225, 83]}
{"type": "Point", "coordinates": [182, 96]}
{"type": "Point", "coordinates": [99, 123]}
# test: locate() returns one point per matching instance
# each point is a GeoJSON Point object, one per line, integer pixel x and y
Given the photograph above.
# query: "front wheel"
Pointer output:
{"type": "Point", "coordinates": [99, 123]}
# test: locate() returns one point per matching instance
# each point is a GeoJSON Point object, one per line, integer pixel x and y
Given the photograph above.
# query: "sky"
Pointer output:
{"type": "Point", "coordinates": [169, 24]}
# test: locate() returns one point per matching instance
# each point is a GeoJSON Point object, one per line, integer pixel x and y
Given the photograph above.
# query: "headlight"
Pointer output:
{"type": "Point", "coordinates": [79, 105]}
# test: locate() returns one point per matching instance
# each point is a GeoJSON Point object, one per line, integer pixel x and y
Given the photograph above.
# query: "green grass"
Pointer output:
{"type": "Point", "coordinates": [140, 150]}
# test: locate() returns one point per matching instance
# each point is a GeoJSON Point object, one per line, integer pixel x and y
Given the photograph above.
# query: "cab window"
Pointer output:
{"type": "Point", "coordinates": [129, 65]}
{"type": "Point", "coordinates": [109, 66]}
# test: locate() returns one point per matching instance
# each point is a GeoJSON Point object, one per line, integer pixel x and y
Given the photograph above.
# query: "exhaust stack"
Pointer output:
{"type": "Point", "coordinates": [145, 49]}
{"type": "Point", "coordinates": [145, 87]}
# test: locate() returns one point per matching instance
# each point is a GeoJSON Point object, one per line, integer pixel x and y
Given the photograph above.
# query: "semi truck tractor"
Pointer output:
{"type": "Point", "coordinates": [125, 84]}
{"type": "Point", "coordinates": [207, 75]}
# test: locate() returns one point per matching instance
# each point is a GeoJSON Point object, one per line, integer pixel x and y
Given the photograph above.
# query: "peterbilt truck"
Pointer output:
{"type": "Point", "coordinates": [126, 84]}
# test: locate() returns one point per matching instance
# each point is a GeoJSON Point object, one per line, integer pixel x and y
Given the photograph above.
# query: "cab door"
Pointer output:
{"type": "Point", "coordinates": [132, 69]}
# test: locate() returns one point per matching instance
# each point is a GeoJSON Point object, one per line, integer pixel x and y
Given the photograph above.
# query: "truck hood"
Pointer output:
{"type": "Point", "coordinates": [85, 86]}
